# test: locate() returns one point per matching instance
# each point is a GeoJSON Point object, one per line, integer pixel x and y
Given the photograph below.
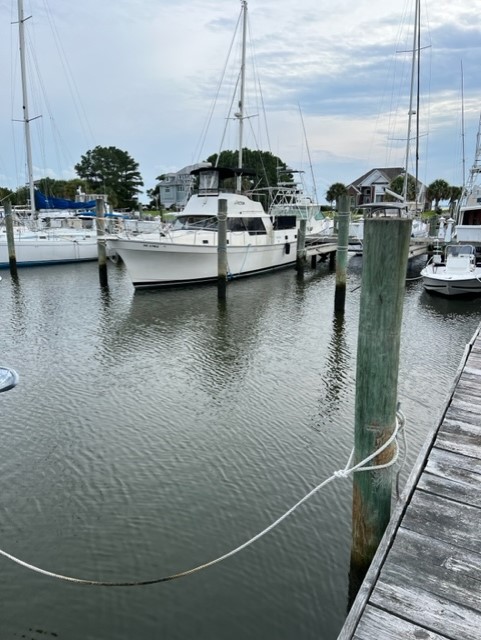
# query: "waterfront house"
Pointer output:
{"type": "Point", "coordinates": [176, 188]}
{"type": "Point", "coordinates": [371, 187]}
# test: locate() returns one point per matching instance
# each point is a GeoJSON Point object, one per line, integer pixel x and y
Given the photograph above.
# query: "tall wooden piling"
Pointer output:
{"type": "Point", "coordinates": [385, 256]}
{"type": "Point", "coordinates": [301, 255]}
{"type": "Point", "coordinates": [101, 244]}
{"type": "Point", "coordinates": [222, 267]}
{"type": "Point", "coordinates": [12, 258]}
{"type": "Point", "coordinates": [343, 215]}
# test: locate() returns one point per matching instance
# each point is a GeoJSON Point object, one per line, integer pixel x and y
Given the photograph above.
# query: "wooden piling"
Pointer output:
{"type": "Point", "coordinates": [385, 257]}
{"type": "Point", "coordinates": [222, 267]}
{"type": "Point", "coordinates": [12, 259]}
{"type": "Point", "coordinates": [101, 244]}
{"type": "Point", "coordinates": [301, 255]}
{"type": "Point", "coordinates": [343, 215]}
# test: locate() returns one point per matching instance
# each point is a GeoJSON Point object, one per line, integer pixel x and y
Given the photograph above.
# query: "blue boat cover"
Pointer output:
{"type": "Point", "coordinates": [42, 202]}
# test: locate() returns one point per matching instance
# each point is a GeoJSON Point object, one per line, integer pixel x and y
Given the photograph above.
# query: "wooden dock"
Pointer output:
{"type": "Point", "coordinates": [425, 580]}
{"type": "Point", "coordinates": [322, 246]}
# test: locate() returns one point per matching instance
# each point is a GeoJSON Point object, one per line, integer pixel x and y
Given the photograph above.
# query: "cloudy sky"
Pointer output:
{"type": "Point", "coordinates": [329, 96]}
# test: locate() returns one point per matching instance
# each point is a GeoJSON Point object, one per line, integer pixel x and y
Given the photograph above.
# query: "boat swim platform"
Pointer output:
{"type": "Point", "coordinates": [425, 579]}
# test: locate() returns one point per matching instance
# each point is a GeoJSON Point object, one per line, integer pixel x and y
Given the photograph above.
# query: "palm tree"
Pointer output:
{"type": "Point", "coordinates": [437, 191]}
{"type": "Point", "coordinates": [335, 191]}
{"type": "Point", "coordinates": [455, 195]}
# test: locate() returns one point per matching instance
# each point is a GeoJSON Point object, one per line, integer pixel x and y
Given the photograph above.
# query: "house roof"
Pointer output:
{"type": "Point", "coordinates": [390, 173]}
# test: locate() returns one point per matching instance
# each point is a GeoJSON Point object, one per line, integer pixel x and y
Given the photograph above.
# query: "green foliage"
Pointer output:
{"type": "Point", "coordinates": [269, 168]}
{"type": "Point", "coordinates": [455, 194]}
{"type": "Point", "coordinates": [61, 188]}
{"type": "Point", "coordinates": [111, 171]}
{"type": "Point", "coordinates": [438, 190]}
{"type": "Point", "coordinates": [335, 191]}
{"type": "Point", "coordinates": [21, 196]}
{"type": "Point", "coordinates": [397, 185]}
{"type": "Point", "coordinates": [6, 194]}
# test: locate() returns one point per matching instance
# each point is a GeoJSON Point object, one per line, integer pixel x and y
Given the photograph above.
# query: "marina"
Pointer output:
{"type": "Point", "coordinates": [152, 431]}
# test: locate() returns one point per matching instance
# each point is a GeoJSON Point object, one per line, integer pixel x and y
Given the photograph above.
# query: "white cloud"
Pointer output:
{"type": "Point", "coordinates": [147, 72]}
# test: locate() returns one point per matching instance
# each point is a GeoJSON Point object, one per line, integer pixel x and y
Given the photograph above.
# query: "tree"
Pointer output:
{"type": "Point", "coordinates": [61, 188]}
{"type": "Point", "coordinates": [397, 185]}
{"type": "Point", "coordinates": [437, 191]}
{"type": "Point", "coordinates": [6, 194]}
{"type": "Point", "coordinates": [114, 172]}
{"type": "Point", "coordinates": [335, 191]}
{"type": "Point", "coordinates": [454, 196]}
{"type": "Point", "coordinates": [154, 194]}
{"type": "Point", "coordinates": [269, 169]}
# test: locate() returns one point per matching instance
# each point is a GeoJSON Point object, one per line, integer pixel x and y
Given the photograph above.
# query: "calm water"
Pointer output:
{"type": "Point", "coordinates": [153, 431]}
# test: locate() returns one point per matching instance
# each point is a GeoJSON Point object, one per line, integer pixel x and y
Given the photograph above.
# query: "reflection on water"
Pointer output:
{"type": "Point", "coordinates": [444, 308]}
{"type": "Point", "coordinates": [152, 431]}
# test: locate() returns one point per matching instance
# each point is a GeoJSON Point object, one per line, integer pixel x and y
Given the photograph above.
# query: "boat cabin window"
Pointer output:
{"type": "Point", "coordinates": [209, 182]}
{"type": "Point", "coordinates": [285, 222]}
{"type": "Point", "coordinates": [472, 217]}
{"type": "Point", "coordinates": [195, 223]}
{"type": "Point", "coordinates": [254, 226]}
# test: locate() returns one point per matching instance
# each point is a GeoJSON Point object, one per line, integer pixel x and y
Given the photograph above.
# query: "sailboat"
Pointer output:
{"type": "Point", "coordinates": [72, 238]}
{"type": "Point", "coordinates": [401, 205]}
{"type": "Point", "coordinates": [258, 240]}
{"type": "Point", "coordinates": [458, 272]}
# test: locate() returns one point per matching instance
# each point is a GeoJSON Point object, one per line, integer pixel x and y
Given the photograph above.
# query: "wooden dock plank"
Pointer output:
{"type": "Point", "coordinates": [426, 565]}
{"type": "Point", "coordinates": [378, 624]}
{"type": "Point", "coordinates": [426, 609]}
{"type": "Point", "coordinates": [461, 437]}
{"type": "Point", "coordinates": [465, 402]}
{"type": "Point", "coordinates": [444, 520]}
{"type": "Point", "coordinates": [425, 580]}
{"type": "Point", "coordinates": [452, 476]}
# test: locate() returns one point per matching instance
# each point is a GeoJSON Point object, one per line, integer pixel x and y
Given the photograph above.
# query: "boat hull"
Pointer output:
{"type": "Point", "coordinates": [158, 264]}
{"type": "Point", "coordinates": [39, 251]}
{"type": "Point", "coordinates": [450, 285]}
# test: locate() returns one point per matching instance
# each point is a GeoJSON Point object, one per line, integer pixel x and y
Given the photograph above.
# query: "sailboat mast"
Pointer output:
{"type": "Point", "coordinates": [418, 93]}
{"type": "Point", "coordinates": [240, 112]}
{"type": "Point", "coordinates": [462, 125]}
{"type": "Point", "coordinates": [415, 55]}
{"type": "Point", "coordinates": [26, 119]}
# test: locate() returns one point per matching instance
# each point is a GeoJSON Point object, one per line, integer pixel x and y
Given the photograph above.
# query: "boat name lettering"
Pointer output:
{"type": "Point", "coordinates": [239, 202]}
{"type": "Point", "coordinates": [151, 246]}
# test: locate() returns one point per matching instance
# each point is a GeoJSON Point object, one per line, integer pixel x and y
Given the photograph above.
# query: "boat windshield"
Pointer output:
{"type": "Point", "coordinates": [460, 250]}
{"type": "Point", "coordinates": [253, 226]}
{"type": "Point", "coordinates": [195, 223]}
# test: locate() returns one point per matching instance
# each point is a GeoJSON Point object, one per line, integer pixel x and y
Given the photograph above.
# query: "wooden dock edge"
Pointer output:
{"type": "Point", "coordinates": [350, 624]}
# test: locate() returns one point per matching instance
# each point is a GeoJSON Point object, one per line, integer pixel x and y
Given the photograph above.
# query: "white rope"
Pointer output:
{"type": "Point", "coordinates": [341, 473]}
{"type": "Point", "coordinates": [405, 448]}
{"type": "Point", "coordinates": [415, 278]}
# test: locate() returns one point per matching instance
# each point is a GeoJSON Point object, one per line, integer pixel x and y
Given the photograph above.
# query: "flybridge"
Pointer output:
{"type": "Point", "coordinates": [210, 178]}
